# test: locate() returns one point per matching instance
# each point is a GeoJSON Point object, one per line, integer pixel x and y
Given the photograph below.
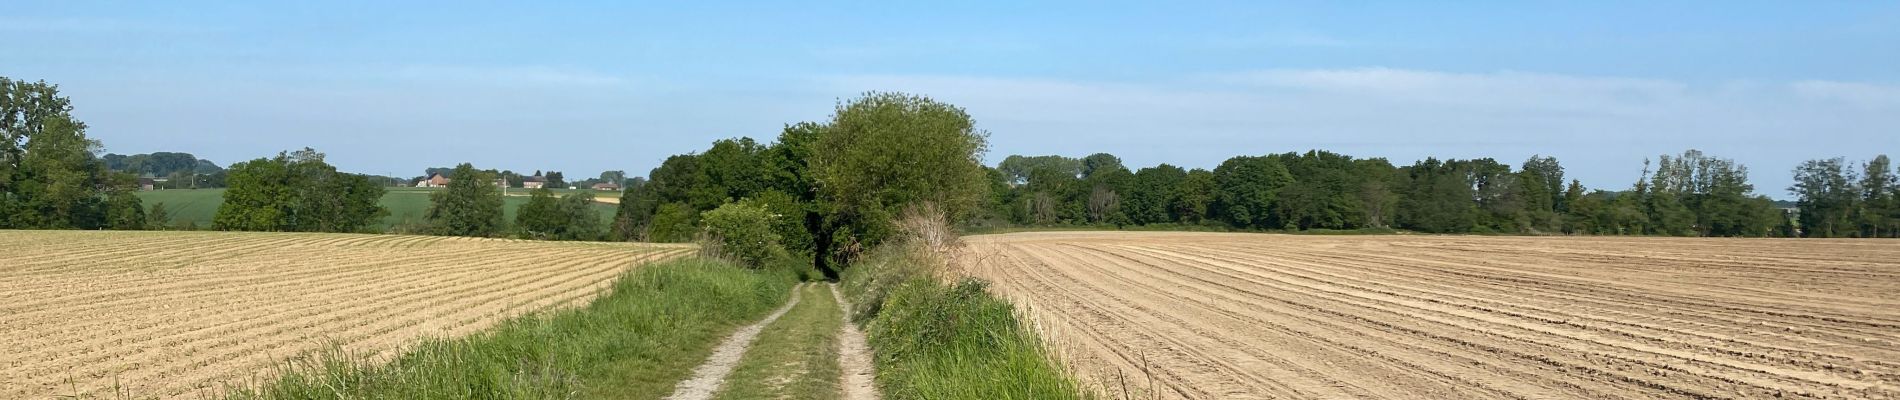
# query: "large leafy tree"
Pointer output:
{"type": "Point", "coordinates": [1551, 174]}
{"type": "Point", "coordinates": [540, 217]}
{"type": "Point", "coordinates": [1826, 196]}
{"type": "Point", "coordinates": [616, 177]}
{"type": "Point", "coordinates": [1541, 186]}
{"type": "Point", "coordinates": [1880, 199]}
{"type": "Point", "coordinates": [1094, 164]}
{"type": "Point", "coordinates": [333, 201]}
{"type": "Point", "coordinates": [1151, 194]}
{"type": "Point", "coordinates": [634, 212]}
{"type": "Point", "coordinates": [1194, 198]}
{"type": "Point", "coordinates": [470, 206]}
{"type": "Point", "coordinates": [49, 176]}
{"type": "Point", "coordinates": [680, 179]}
{"type": "Point", "coordinates": [734, 169]}
{"type": "Point", "coordinates": [1053, 192]}
{"type": "Point", "coordinates": [57, 183]}
{"type": "Point", "coordinates": [1107, 182]}
{"type": "Point", "coordinates": [884, 152]}
{"type": "Point", "coordinates": [260, 196]}
{"type": "Point", "coordinates": [1580, 210]}
{"type": "Point", "coordinates": [1437, 198]}
{"type": "Point", "coordinates": [125, 211]}
{"type": "Point", "coordinates": [1327, 191]}
{"type": "Point", "coordinates": [1378, 201]}
{"type": "Point", "coordinates": [1247, 188]}
{"type": "Point", "coordinates": [1019, 168]}
{"type": "Point", "coordinates": [672, 222]}
{"type": "Point", "coordinates": [1668, 215]}
{"type": "Point", "coordinates": [26, 108]}
{"type": "Point", "coordinates": [1498, 193]}
{"type": "Point", "coordinates": [298, 192]}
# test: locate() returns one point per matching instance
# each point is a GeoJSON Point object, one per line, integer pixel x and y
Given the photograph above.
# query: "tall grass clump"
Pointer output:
{"type": "Point", "coordinates": [658, 322]}
{"type": "Point", "coordinates": [938, 340]}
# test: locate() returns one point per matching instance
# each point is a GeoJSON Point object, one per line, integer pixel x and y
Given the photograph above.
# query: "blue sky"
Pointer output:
{"type": "Point", "coordinates": [587, 86]}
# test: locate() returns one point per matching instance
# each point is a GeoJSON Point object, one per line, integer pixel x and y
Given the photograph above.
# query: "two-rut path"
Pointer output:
{"type": "Point", "coordinates": [781, 358]}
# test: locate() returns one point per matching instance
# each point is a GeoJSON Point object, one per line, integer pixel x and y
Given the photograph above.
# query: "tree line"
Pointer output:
{"type": "Point", "coordinates": [175, 170]}
{"type": "Point", "coordinates": [1691, 194]}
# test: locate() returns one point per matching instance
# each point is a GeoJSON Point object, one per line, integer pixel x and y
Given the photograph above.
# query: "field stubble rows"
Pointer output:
{"type": "Point", "coordinates": [1278, 316]}
{"type": "Point", "coordinates": [172, 314]}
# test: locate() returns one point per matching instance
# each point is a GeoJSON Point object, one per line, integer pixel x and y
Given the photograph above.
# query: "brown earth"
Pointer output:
{"type": "Point", "coordinates": [1235, 316]}
{"type": "Point", "coordinates": [179, 314]}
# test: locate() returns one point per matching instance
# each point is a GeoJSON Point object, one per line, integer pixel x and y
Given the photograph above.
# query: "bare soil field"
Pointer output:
{"type": "Point", "coordinates": [1235, 316]}
{"type": "Point", "coordinates": [177, 314]}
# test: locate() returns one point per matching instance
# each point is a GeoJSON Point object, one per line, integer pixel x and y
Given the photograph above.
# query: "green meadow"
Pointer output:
{"type": "Point", "coordinates": [406, 205]}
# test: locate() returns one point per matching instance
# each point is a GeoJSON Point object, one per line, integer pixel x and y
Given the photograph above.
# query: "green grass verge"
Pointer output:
{"type": "Point", "coordinates": [947, 341]}
{"type": "Point", "coordinates": [794, 358]}
{"type": "Point", "coordinates": [637, 342]}
{"type": "Point", "coordinates": [407, 206]}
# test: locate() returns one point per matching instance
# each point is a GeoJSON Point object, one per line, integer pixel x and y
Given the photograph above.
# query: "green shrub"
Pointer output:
{"type": "Point", "coordinates": [672, 223]}
{"type": "Point", "coordinates": [742, 232]}
{"type": "Point", "coordinates": [547, 217]}
{"type": "Point", "coordinates": [159, 217]}
{"type": "Point", "coordinates": [788, 219]}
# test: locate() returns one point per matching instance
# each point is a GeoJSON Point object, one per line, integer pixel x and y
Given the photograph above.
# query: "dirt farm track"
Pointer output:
{"type": "Point", "coordinates": [175, 314]}
{"type": "Point", "coordinates": [1236, 316]}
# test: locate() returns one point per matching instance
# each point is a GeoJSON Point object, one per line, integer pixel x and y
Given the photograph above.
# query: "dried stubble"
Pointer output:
{"type": "Point", "coordinates": [1279, 316]}
{"type": "Point", "coordinates": [172, 314]}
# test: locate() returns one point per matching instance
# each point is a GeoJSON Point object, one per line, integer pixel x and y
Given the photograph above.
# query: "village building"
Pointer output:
{"type": "Point", "coordinates": [436, 180]}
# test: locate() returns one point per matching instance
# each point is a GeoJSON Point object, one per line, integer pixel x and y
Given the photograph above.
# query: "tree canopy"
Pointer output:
{"type": "Point", "coordinates": [298, 192]}
{"type": "Point", "coordinates": [470, 206]}
{"type": "Point", "coordinates": [49, 175]}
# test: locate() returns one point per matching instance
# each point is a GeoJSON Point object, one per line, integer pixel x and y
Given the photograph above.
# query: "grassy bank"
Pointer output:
{"type": "Point", "coordinates": [947, 341]}
{"type": "Point", "coordinates": [636, 342]}
{"type": "Point", "coordinates": [795, 357]}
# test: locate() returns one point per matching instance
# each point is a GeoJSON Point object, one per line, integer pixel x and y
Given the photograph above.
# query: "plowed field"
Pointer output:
{"type": "Point", "coordinates": [1237, 316]}
{"type": "Point", "coordinates": [170, 314]}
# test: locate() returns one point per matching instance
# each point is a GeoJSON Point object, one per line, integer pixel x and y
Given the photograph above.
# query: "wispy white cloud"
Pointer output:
{"type": "Point", "coordinates": [1505, 90]}
{"type": "Point", "coordinates": [1858, 94]}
